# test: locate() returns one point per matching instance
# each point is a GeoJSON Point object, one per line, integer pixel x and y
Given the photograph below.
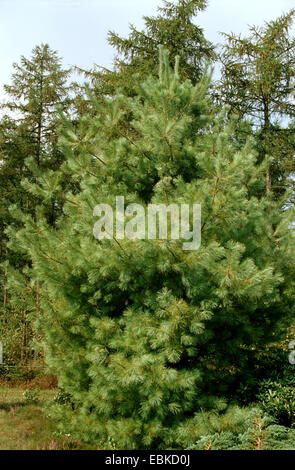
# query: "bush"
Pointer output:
{"type": "Point", "coordinates": [31, 396]}
{"type": "Point", "coordinates": [61, 398]}
{"type": "Point", "coordinates": [269, 366]}
{"type": "Point", "coordinates": [278, 401]}
{"type": "Point", "coordinates": [12, 372]}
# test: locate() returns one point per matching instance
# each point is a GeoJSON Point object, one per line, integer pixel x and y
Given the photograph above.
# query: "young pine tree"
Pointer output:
{"type": "Point", "coordinates": [141, 333]}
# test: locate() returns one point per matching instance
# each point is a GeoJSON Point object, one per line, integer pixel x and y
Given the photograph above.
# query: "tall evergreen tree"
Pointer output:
{"type": "Point", "coordinates": [256, 83]}
{"type": "Point", "coordinates": [141, 333]}
{"type": "Point", "coordinates": [39, 84]}
{"type": "Point", "coordinates": [27, 131]}
{"type": "Point", "coordinates": [174, 28]}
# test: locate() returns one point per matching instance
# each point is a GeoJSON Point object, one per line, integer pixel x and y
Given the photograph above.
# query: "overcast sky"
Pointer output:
{"type": "Point", "coordinates": [77, 29]}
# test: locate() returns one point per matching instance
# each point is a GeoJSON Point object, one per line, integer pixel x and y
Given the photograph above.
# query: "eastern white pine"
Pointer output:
{"type": "Point", "coordinates": [142, 334]}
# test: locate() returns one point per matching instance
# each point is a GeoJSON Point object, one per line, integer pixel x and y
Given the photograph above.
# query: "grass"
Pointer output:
{"type": "Point", "coordinates": [24, 425]}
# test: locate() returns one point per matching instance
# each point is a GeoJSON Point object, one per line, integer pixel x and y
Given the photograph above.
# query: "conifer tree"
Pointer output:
{"type": "Point", "coordinates": [257, 80]}
{"type": "Point", "coordinates": [141, 333]}
{"type": "Point", "coordinates": [174, 28]}
{"type": "Point", "coordinates": [39, 84]}
{"type": "Point", "coordinates": [27, 131]}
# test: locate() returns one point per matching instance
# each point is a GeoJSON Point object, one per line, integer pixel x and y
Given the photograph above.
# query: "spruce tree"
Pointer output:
{"type": "Point", "coordinates": [141, 333]}
{"type": "Point", "coordinates": [174, 27]}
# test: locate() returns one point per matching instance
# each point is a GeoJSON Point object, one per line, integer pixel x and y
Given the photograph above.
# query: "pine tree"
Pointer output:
{"type": "Point", "coordinates": [256, 83]}
{"type": "Point", "coordinates": [138, 55]}
{"type": "Point", "coordinates": [141, 333]}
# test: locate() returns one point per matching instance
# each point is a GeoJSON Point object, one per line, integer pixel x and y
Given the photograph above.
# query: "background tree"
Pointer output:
{"type": "Point", "coordinates": [256, 83]}
{"type": "Point", "coordinates": [173, 28]}
{"type": "Point", "coordinates": [27, 131]}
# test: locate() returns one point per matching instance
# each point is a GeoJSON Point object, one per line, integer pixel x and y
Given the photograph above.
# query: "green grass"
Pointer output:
{"type": "Point", "coordinates": [25, 426]}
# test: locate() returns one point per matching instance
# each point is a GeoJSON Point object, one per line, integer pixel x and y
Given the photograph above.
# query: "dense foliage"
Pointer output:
{"type": "Point", "coordinates": [142, 342]}
{"type": "Point", "coordinates": [28, 145]}
{"type": "Point", "coordinates": [155, 346]}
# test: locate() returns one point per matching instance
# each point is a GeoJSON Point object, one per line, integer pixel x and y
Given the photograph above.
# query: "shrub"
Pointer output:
{"type": "Point", "coordinates": [31, 396]}
{"type": "Point", "coordinates": [278, 401]}
{"type": "Point", "coordinates": [62, 397]}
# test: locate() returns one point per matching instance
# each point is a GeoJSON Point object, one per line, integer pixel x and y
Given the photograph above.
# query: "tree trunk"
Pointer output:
{"type": "Point", "coordinates": [267, 145]}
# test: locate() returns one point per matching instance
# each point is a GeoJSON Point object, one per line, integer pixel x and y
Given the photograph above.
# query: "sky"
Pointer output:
{"type": "Point", "coordinates": [78, 29]}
